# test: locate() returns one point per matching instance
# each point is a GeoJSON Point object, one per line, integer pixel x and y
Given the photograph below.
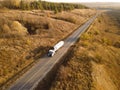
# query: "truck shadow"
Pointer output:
{"type": "Point", "coordinates": [38, 52]}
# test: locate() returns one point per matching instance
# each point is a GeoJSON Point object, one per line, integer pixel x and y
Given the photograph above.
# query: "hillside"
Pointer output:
{"type": "Point", "coordinates": [94, 62]}
{"type": "Point", "coordinates": [26, 35]}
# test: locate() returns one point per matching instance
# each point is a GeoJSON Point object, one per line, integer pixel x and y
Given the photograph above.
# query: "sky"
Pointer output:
{"type": "Point", "coordinates": [83, 0]}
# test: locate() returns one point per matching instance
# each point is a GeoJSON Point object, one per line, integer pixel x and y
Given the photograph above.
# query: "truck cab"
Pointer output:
{"type": "Point", "coordinates": [51, 53]}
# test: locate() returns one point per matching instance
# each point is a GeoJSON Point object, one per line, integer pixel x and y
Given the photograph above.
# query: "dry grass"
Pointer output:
{"type": "Point", "coordinates": [95, 60]}
{"type": "Point", "coordinates": [26, 35]}
{"type": "Point", "coordinates": [75, 16]}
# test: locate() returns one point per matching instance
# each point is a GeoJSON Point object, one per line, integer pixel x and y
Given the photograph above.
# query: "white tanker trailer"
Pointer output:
{"type": "Point", "coordinates": [55, 48]}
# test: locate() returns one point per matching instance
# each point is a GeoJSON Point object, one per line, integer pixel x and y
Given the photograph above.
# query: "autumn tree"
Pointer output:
{"type": "Point", "coordinates": [56, 10]}
{"type": "Point", "coordinates": [12, 3]}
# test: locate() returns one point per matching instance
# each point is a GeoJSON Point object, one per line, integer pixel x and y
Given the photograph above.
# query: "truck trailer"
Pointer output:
{"type": "Point", "coordinates": [51, 52]}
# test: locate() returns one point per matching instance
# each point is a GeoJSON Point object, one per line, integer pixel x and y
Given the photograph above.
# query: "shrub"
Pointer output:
{"type": "Point", "coordinates": [50, 25]}
{"type": "Point", "coordinates": [85, 43]}
{"type": "Point", "coordinates": [98, 58]}
{"type": "Point", "coordinates": [1, 5]}
{"type": "Point", "coordinates": [6, 28]}
{"type": "Point", "coordinates": [12, 3]}
{"type": "Point", "coordinates": [18, 28]}
{"type": "Point", "coordinates": [85, 36]}
{"type": "Point", "coordinates": [72, 20]}
{"type": "Point", "coordinates": [5, 31]}
{"type": "Point", "coordinates": [69, 19]}
{"type": "Point", "coordinates": [107, 30]}
{"type": "Point", "coordinates": [99, 20]}
{"type": "Point", "coordinates": [106, 41]}
{"type": "Point", "coordinates": [117, 44]}
{"type": "Point", "coordinates": [96, 32]}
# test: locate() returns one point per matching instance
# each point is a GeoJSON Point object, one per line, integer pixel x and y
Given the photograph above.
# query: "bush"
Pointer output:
{"type": "Point", "coordinates": [99, 20]}
{"type": "Point", "coordinates": [50, 25]}
{"type": "Point", "coordinates": [1, 5]}
{"type": "Point", "coordinates": [106, 41]}
{"type": "Point", "coordinates": [11, 3]}
{"type": "Point", "coordinates": [5, 31]}
{"type": "Point", "coordinates": [98, 58]}
{"type": "Point", "coordinates": [96, 32]}
{"type": "Point", "coordinates": [72, 20]}
{"type": "Point", "coordinates": [85, 43]}
{"type": "Point", "coordinates": [117, 44]}
{"type": "Point", "coordinates": [69, 19]}
{"type": "Point", "coordinates": [6, 28]}
{"type": "Point", "coordinates": [85, 36]}
{"type": "Point", "coordinates": [107, 30]}
{"type": "Point", "coordinates": [18, 28]}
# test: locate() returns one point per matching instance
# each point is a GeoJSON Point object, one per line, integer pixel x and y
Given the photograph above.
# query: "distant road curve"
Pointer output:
{"type": "Point", "coordinates": [37, 73]}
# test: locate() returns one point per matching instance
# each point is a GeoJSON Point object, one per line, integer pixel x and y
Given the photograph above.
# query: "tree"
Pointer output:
{"type": "Point", "coordinates": [12, 3]}
{"type": "Point", "coordinates": [71, 7]}
{"type": "Point", "coordinates": [56, 10]}
{"type": "Point", "coordinates": [15, 3]}
{"type": "Point", "coordinates": [41, 6]}
{"type": "Point", "coordinates": [27, 6]}
{"type": "Point", "coordinates": [61, 8]}
{"type": "Point", "coordinates": [22, 5]}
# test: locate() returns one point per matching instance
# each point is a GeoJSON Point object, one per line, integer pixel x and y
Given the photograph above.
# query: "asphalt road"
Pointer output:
{"type": "Point", "coordinates": [32, 77]}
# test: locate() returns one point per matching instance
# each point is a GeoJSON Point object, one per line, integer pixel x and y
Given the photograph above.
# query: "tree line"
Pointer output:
{"type": "Point", "coordinates": [42, 5]}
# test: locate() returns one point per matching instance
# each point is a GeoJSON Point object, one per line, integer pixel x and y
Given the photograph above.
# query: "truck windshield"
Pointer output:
{"type": "Point", "coordinates": [50, 53]}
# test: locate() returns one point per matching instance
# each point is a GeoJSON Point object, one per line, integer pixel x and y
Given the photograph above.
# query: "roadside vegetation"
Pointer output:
{"type": "Point", "coordinates": [94, 62]}
{"type": "Point", "coordinates": [25, 35]}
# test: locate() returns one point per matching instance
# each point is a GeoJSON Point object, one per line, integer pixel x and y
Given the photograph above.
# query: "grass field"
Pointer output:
{"type": "Point", "coordinates": [26, 35]}
{"type": "Point", "coordinates": [94, 63]}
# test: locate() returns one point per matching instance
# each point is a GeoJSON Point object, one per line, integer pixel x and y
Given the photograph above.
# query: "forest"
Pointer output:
{"type": "Point", "coordinates": [42, 5]}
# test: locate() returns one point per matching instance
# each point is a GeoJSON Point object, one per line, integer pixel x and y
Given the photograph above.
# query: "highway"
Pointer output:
{"type": "Point", "coordinates": [39, 71]}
